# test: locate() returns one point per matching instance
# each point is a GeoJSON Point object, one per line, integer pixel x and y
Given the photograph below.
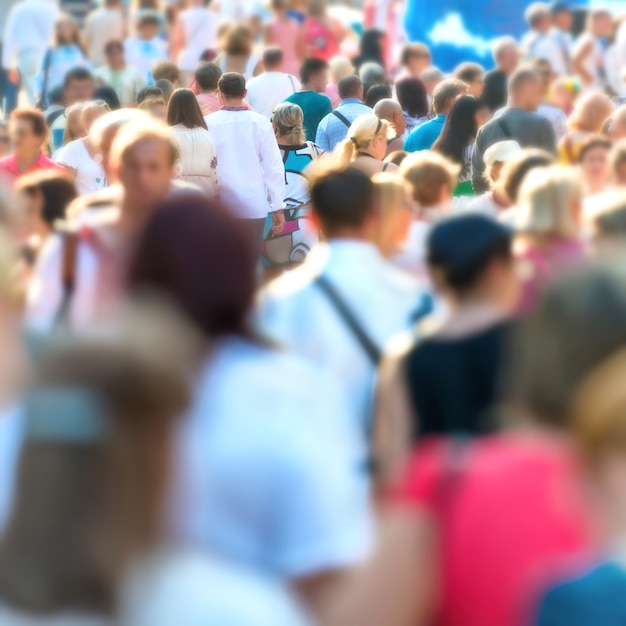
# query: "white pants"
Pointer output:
{"type": "Point", "coordinates": [29, 65]}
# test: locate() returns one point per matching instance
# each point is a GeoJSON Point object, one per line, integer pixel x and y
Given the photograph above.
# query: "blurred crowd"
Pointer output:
{"type": "Point", "coordinates": [299, 329]}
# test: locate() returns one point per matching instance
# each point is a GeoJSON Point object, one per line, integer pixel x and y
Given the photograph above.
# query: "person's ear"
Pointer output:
{"type": "Point", "coordinates": [245, 94]}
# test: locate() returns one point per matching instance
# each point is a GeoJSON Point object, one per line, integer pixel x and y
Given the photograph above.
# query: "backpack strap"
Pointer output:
{"type": "Point", "coordinates": [68, 275]}
{"type": "Point", "coordinates": [43, 96]}
{"type": "Point", "coordinates": [343, 118]}
{"type": "Point", "coordinates": [369, 347]}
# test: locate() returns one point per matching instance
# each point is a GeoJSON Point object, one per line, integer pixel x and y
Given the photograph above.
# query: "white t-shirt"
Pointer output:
{"type": "Point", "coordinates": [268, 471]}
{"type": "Point", "coordinates": [200, 30]}
{"type": "Point", "coordinates": [90, 175]}
{"type": "Point", "coordinates": [269, 89]}
{"type": "Point", "coordinates": [102, 26]}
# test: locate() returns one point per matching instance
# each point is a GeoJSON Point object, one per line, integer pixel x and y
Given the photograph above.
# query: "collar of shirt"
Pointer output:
{"type": "Point", "coordinates": [43, 162]}
{"type": "Point", "coordinates": [439, 118]}
{"type": "Point", "coordinates": [348, 254]}
{"type": "Point", "coordinates": [351, 101]}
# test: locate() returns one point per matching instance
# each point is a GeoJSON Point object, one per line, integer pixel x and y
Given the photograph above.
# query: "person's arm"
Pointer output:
{"type": "Point", "coordinates": [301, 44]}
{"type": "Point", "coordinates": [273, 168]}
{"type": "Point", "coordinates": [478, 165]}
{"type": "Point", "coordinates": [578, 62]}
{"type": "Point", "coordinates": [177, 39]}
{"type": "Point", "coordinates": [321, 137]}
{"type": "Point", "coordinates": [267, 35]}
{"type": "Point", "coordinates": [9, 46]}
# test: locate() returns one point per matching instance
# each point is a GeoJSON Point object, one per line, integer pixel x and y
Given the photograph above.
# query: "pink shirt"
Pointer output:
{"type": "Point", "coordinates": [286, 34]}
{"type": "Point", "coordinates": [11, 171]}
{"type": "Point", "coordinates": [209, 103]}
{"type": "Point", "coordinates": [511, 514]}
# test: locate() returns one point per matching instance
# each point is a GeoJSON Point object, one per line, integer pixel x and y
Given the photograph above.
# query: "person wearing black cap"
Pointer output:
{"type": "Point", "coordinates": [562, 22]}
{"type": "Point", "coordinates": [448, 382]}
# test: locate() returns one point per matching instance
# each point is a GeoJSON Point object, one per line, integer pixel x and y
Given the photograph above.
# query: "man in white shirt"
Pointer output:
{"type": "Point", "coordinates": [251, 166]}
{"type": "Point", "coordinates": [539, 42]}
{"type": "Point", "coordinates": [273, 86]}
{"type": "Point", "coordinates": [104, 25]}
{"type": "Point", "coordinates": [345, 303]}
{"type": "Point", "coordinates": [125, 80]}
{"type": "Point", "coordinates": [143, 160]}
{"type": "Point", "coordinates": [562, 22]}
{"type": "Point", "coordinates": [147, 48]}
{"type": "Point", "coordinates": [27, 35]}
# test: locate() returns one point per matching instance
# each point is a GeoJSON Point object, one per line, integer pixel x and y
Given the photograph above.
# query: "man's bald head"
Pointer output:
{"type": "Point", "coordinates": [391, 111]}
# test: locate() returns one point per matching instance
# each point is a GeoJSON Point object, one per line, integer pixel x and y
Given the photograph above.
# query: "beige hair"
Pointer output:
{"type": "Point", "coordinates": [74, 109]}
{"type": "Point", "coordinates": [546, 200]}
{"type": "Point", "coordinates": [390, 194]}
{"type": "Point", "coordinates": [144, 131]}
{"type": "Point", "coordinates": [590, 112]}
{"type": "Point", "coordinates": [617, 160]}
{"type": "Point", "coordinates": [361, 133]}
{"type": "Point", "coordinates": [93, 107]}
{"type": "Point", "coordinates": [427, 172]}
{"type": "Point", "coordinates": [287, 120]}
{"type": "Point", "coordinates": [446, 91]}
{"type": "Point", "coordinates": [339, 67]}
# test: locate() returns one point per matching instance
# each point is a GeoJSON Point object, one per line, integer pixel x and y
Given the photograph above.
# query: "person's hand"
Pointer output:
{"type": "Point", "coordinates": [278, 222]}
{"type": "Point", "coordinates": [14, 76]}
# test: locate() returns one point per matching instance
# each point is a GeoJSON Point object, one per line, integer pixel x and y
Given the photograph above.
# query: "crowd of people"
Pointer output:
{"type": "Point", "coordinates": [299, 329]}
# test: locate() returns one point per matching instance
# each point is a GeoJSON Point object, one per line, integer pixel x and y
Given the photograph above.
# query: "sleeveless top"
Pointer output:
{"type": "Point", "coordinates": [321, 41]}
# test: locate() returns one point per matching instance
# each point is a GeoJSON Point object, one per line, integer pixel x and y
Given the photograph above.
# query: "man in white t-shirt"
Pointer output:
{"type": "Point", "coordinates": [539, 42]}
{"type": "Point", "coordinates": [251, 166]}
{"type": "Point", "coordinates": [147, 48]}
{"type": "Point", "coordinates": [273, 86]}
{"type": "Point", "coordinates": [143, 160]}
{"type": "Point", "coordinates": [104, 25]}
{"type": "Point", "coordinates": [346, 302]}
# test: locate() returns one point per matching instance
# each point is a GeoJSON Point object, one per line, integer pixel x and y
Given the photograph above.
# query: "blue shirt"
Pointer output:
{"type": "Point", "coordinates": [424, 136]}
{"type": "Point", "coordinates": [332, 130]}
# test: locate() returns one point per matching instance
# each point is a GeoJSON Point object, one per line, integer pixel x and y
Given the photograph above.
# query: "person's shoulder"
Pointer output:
{"type": "Point", "coordinates": [5, 162]}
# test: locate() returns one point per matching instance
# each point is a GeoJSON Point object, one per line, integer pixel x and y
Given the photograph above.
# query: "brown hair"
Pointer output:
{"type": "Point", "coordinates": [90, 486]}
{"type": "Point", "coordinates": [167, 70]}
{"type": "Point", "coordinates": [590, 112]}
{"type": "Point", "coordinates": [238, 41]}
{"type": "Point", "coordinates": [593, 142]}
{"type": "Point", "coordinates": [56, 189]}
{"type": "Point", "coordinates": [183, 109]}
{"type": "Point", "coordinates": [34, 116]}
{"type": "Point", "coordinates": [427, 173]}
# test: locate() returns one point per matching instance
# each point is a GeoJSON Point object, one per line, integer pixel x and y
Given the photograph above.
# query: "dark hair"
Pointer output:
{"type": "Point", "coordinates": [375, 94]}
{"type": "Point", "coordinates": [166, 88]}
{"type": "Point", "coordinates": [232, 85]}
{"type": "Point", "coordinates": [55, 95]}
{"type": "Point", "coordinates": [183, 108]}
{"type": "Point", "coordinates": [459, 129]}
{"type": "Point", "coordinates": [593, 142]}
{"type": "Point", "coordinates": [112, 45]}
{"type": "Point", "coordinates": [310, 67]}
{"type": "Point", "coordinates": [578, 324]}
{"type": "Point", "coordinates": [412, 96]}
{"type": "Point", "coordinates": [57, 191]}
{"type": "Point", "coordinates": [349, 86]}
{"type": "Point", "coordinates": [516, 170]}
{"type": "Point", "coordinates": [371, 49]}
{"type": "Point", "coordinates": [108, 95]}
{"type": "Point", "coordinates": [77, 73]}
{"type": "Point", "coordinates": [149, 92]}
{"type": "Point", "coordinates": [342, 197]}
{"type": "Point", "coordinates": [462, 247]}
{"type": "Point", "coordinates": [197, 254]}
{"type": "Point", "coordinates": [469, 72]}
{"type": "Point", "coordinates": [272, 57]}
{"type": "Point", "coordinates": [34, 116]}
{"type": "Point", "coordinates": [239, 41]}
{"type": "Point", "coordinates": [167, 70]}
{"type": "Point", "coordinates": [396, 157]}
{"type": "Point", "coordinates": [207, 76]}
{"type": "Point", "coordinates": [148, 20]}
{"type": "Point", "coordinates": [414, 50]}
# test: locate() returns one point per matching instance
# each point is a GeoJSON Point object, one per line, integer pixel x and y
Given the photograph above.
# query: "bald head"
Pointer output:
{"type": "Point", "coordinates": [391, 111]}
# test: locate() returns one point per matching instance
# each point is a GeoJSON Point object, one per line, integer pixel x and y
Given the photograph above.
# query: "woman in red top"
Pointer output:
{"type": "Point", "coordinates": [29, 134]}
{"type": "Point", "coordinates": [509, 510]}
{"type": "Point", "coordinates": [323, 33]}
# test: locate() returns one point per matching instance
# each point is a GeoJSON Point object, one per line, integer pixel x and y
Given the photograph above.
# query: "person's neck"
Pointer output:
{"type": "Point", "coordinates": [515, 104]}
{"type": "Point", "coordinates": [233, 103]}
{"type": "Point", "coordinates": [283, 140]}
{"type": "Point", "coordinates": [118, 68]}
{"type": "Point", "coordinates": [471, 315]}
{"type": "Point", "coordinates": [365, 152]}
{"type": "Point", "coordinates": [273, 70]}
{"type": "Point", "coordinates": [26, 161]}
{"type": "Point", "coordinates": [356, 235]}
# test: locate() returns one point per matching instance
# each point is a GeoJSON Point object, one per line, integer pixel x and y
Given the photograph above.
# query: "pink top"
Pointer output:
{"type": "Point", "coordinates": [512, 515]}
{"type": "Point", "coordinates": [10, 170]}
{"type": "Point", "coordinates": [332, 92]}
{"type": "Point", "coordinates": [538, 266]}
{"type": "Point", "coordinates": [285, 33]}
{"type": "Point", "coordinates": [321, 41]}
{"type": "Point", "coordinates": [209, 103]}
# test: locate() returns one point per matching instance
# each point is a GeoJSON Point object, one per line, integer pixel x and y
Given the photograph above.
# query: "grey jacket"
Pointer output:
{"type": "Point", "coordinates": [528, 129]}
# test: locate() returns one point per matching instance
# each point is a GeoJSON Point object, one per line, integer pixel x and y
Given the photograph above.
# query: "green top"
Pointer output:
{"type": "Point", "coordinates": [315, 107]}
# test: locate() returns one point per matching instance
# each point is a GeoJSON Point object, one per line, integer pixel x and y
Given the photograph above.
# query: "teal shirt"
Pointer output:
{"type": "Point", "coordinates": [423, 137]}
{"type": "Point", "coordinates": [315, 107]}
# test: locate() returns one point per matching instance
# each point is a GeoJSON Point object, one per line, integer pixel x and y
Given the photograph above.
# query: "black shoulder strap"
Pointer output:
{"type": "Point", "coordinates": [371, 349]}
{"type": "Point", "coordinates": [343, 118]}
{"type": "Point", "coordinates": [504, 127]}
{"type": "Point", "coordinates": [68, 275]}
{"type": "Point", "coordinates": [47, 62]}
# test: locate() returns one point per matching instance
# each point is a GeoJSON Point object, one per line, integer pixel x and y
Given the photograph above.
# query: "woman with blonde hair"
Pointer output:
{"type": "Point", "coordinates": [79, 156]}
{"type": "Point", "coordinates": [288, 246]}
{"type": "Point", "coordinates": [338, 66]}
{"type": "Point", "coordinates": [549, 222]}
{"type": "Point", "coordinates": [237, 55]}
{"type": "Point", "coordinates": [74, 128]}
{"type": "Point", "coordinates": [392, 197]}
{"type": "Point", "coordinates": [366, 144]}
{"type": "Point", "coordinates": [588, 117]}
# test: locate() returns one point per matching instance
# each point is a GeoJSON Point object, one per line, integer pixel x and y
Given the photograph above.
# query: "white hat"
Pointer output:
{"type": "Point", "coordinates": [501, 151]}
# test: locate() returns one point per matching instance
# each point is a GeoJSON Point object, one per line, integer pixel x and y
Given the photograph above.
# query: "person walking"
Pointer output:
{"type": "Point", "coordinates": [27, 34]}
{"type": "Point", "coordinates": [102, 26]}
{"type": "Point", "coordinates": [251, 166]}
{"type": "Point", "coordinates": [8, 90]}
{"type": "Point", "coordinates": [196, 152]}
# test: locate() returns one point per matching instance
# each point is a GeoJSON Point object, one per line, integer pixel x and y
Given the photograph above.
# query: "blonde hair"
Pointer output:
{"type": "Point", "coordinates": [287, 120]}
{"type": "Point", "coordinates": [546, 200]}
{"type": "Point", "coordinates": [340, 66]}
{"type": "Point", "coordinates": [143, 131]}
{"type": "Point", "coordinates": [93, 107]}
{"type": "Point", "coordinates": [427, 172]}
{"type": "Point", "coordinates": [74, 109]}
{"type": "Point", "coordinates": [590, 112]}
{"type": "Point", "coordinates": [391, 194]}
{"type": "Point", "coordinates": [149, 103]}
{"type": "Point", "coordinates": [361, 133]}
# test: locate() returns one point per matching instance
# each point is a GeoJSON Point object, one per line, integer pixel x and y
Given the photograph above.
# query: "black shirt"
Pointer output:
{"type": "Point", "coordinates": [454, 383]}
